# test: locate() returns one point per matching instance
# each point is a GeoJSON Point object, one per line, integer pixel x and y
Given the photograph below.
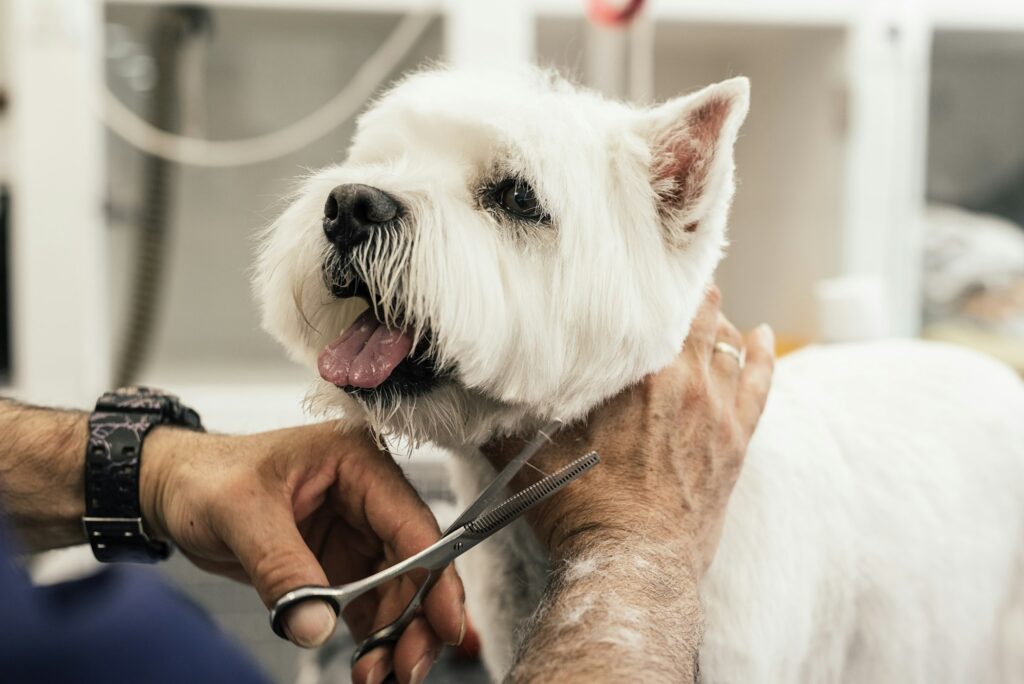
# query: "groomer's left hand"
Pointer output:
{"type": "Point", "coordinates": [308, 505]}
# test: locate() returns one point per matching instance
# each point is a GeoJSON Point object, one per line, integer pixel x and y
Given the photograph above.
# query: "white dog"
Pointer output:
{"type": "Point", "coordinates": [529, 249]}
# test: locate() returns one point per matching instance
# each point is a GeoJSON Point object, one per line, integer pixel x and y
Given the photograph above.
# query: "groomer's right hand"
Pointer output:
{"type": "Point", "coordinates": [307, 505]}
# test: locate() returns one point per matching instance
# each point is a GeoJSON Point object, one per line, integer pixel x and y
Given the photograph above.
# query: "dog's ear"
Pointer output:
{"type": "Point", "coordinates": [691, 141]}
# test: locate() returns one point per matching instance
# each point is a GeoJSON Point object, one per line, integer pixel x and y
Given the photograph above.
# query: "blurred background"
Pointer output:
{"type": "Point", "coordinates": [144, 143]}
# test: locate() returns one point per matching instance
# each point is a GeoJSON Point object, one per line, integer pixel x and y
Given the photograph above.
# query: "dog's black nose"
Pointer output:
{"type": "Point", "coordinates": [353, 211]}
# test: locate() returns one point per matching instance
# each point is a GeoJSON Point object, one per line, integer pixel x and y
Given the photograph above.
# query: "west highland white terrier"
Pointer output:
{"type": "Point", "coordinates": [528, 249]}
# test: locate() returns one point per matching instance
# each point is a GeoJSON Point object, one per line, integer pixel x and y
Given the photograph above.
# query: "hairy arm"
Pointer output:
{"type": "Point", "coordinates": [41, 474]}
{"type": "Point", "coordinates": [609, 605]}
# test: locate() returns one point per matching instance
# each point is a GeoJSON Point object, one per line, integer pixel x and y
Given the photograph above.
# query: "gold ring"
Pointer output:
{"type": "Point", "coordinates": [729, 350]}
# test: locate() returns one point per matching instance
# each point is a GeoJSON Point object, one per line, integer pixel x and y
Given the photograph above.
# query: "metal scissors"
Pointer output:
{"type": "Point", "coordinates": [485, 516]}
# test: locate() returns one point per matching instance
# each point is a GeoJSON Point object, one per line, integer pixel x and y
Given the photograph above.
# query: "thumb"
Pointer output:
{"type": "Point", "coordinates": [277, 560]}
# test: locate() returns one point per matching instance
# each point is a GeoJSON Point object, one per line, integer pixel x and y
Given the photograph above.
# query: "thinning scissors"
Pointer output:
{"type": "Point", "coordinates": [485, 516]}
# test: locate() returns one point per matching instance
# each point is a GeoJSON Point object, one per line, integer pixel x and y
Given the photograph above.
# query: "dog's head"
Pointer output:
{"type": "Point", "coordinates": [526, 249]}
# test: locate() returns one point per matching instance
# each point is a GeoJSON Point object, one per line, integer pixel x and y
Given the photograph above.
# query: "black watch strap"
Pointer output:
{"type": "Point", "coordinates": [117, 429]}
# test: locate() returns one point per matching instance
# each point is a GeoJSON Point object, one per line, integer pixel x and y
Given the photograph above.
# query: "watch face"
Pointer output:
{"type": "Point", "coordinates": [141, 402]}
{"type": "Point", "coordinates": [140, 391]}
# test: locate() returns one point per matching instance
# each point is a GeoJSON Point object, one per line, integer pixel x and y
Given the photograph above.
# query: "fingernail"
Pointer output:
{"type": "Point", "coordinates": [422, 667]}
{"type": "Point", "coordinates": [380, 669]}
{"type": "Point", "coordinates": [462, 628]}
{"type": "Point", "coordinates": [377, 674]}
{"type": "Point", "coordinates": [768, 335]}
{"type": "Point", "coordinates": [310, 624]}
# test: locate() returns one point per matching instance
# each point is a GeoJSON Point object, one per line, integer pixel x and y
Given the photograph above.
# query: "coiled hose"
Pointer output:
{"type": "Point", "coordinates": [172, 28]}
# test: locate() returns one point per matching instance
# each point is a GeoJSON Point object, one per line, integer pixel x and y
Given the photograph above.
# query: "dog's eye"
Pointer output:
{"type": "Point", "coordinates": [517, 198]}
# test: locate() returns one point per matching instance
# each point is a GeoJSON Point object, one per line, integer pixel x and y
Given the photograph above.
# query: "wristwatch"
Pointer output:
{"type": "Point", "coordinates": [117, 428]}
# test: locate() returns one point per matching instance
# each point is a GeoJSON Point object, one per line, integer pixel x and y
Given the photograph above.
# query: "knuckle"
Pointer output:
{"type": "Point", "coordinates": [732, 332]}
{"type": "Point", "coordinates": [714, 295]}
{"type": "Point", "coordinates": [726, 332]}
{"type": "Point", "coordinates": [673, 375]}
{"type": "Point", "coordinates": [416, 532]}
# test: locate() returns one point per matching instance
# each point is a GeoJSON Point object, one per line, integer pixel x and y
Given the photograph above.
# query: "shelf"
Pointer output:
{"type": "Point", "coordinates": [980, 15]}
{"type": "Point", "coordinates": [373, 6]}
{"type": "Point", "coordinates": [231, 400]}
{"type": "Point", "coordinates": [1009, 350]}
{"type": "Point", "coordinates": [241, 397]}
{"type": "Point", "coordinates": [787, 12]}
{"type": "Point", "coordinates": [233, 407]}
{"type": "Point", "coordinates": [753, 12]}
{"type": "Point", "coordinates": [986, 15]}
{"type": "Point", "coordinates": [243, 408]}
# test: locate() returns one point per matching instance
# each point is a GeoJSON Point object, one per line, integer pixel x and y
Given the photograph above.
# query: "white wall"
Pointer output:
{"type": "Point", "coordinates": [58, 247]}
{"type": "Point", "coordinates": [787, 216]}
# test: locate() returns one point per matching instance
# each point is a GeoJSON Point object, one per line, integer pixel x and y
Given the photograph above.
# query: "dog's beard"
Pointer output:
{"type": "Point", "coordinates": [400, 383]}
{"type": "Point", "coordinates": [383, 272]}
{"type": "Point", "coordinates": [439, 415]}
{"type": "Point", "coordinates": [449, 415]}
{"type": "Point", "coordinates": [378, 271]}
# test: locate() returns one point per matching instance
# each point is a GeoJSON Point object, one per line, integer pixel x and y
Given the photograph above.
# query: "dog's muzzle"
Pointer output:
{"type": "Point", "coordinates": [372, 359]}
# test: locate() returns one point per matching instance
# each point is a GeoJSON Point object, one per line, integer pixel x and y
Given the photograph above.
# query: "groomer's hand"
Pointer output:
{"type": "Point", "coordinates": [307, 505]}
{"type": "Point", "coordinates": [671, 448]}
{"type": "Point", "coordinates": [632, 538]}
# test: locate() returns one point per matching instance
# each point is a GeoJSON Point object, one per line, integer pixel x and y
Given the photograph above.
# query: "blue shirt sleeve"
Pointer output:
{"type": "Point", "coordinates": [123, 624]}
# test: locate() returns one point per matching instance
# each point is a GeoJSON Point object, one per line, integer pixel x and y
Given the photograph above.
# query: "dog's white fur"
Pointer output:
{"type": "Point", "coordinates": [877, 530]}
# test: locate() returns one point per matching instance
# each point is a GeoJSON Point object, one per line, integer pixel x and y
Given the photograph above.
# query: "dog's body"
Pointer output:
{"type": "Point", "coordinates": [529, 250]}
{"type": "Point", "coordinates": [874, 535]}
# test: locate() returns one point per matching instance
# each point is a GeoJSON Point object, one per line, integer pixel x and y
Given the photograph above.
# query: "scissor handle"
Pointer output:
{"type": "Point", "coordinates": [434, 557]}
{"type": "Point", "coordinates": [390, 633]}
{"type": "Point", "coordinates": [294, 598]}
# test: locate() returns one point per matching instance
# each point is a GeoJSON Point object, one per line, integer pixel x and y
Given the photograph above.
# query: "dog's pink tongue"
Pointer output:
{"type": "Point", "coordinates": [365, 355]}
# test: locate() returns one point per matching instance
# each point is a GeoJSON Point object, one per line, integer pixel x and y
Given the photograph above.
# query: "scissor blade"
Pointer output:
{"type": "Point", "coordinates": [456, 542]}
{"type": "Point", "coordinates": [489, 496]}
{"type": "Point", "coordinates": [513, 507]}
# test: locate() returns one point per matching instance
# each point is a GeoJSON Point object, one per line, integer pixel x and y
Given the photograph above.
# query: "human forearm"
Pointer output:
{"type": "Point", "coordinates": [41, 474]}
{"type": "Point", "coordinates": [615, 610]}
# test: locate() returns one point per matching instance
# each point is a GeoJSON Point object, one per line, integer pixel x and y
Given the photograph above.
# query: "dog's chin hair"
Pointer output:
{"type": "Point", "coordinates": [448, 416]}
{"type": "Point", "coordinates": [391, 267]}
{"type": "Point", "coordinates": [383, 264]}
{"type": "Point", "coordinates": [386, 265]}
